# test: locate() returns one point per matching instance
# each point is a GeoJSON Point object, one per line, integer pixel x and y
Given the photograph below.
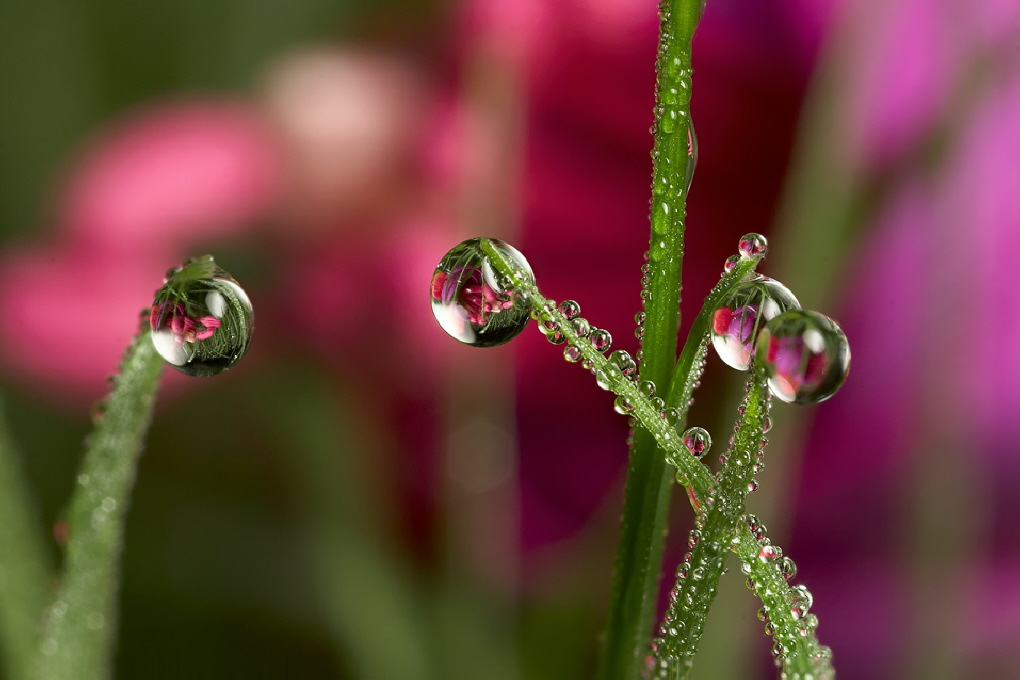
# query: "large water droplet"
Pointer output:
{"type": "Point", "coordinates": [473, 301]}
{"type": "Point", "coordinates": [805, 356]}
{"type": "Point", "coordinates": [739, 317]}
{"type": "Point", "coordinates": [201, 319]}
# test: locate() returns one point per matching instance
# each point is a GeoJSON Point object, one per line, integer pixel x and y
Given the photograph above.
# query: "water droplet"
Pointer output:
{"type": "Point", "coordinates": [751, 245]}
{"type": "Point", "coordinates": [622, 406]}
{"type": "Point", "coordinates": [600, 339]}
{"type": "Point", "coordinates": [201, 320]}
{"type": "Point", "coordinates": [473, 301]}
{"type": "Point", "coordinates": [95, 621]}
{"type": "Point", "coordinates": [647, 388]}
{"type": "Point", "coordinates": [788, 568]}
{"type": "Point", "coordinates": [739, 317]}
{"type": "Point", "coordinates": [692, 156]}
{"type": "Point", "coordinates": [800, 595]}
{"type": "Point", "coordinates": [571, 354]}
{"type": "Point", "coordinates": [602, 380]}
{"type": "Point", "coordinates": [570, 308]}
{"type": "Point", "coordinates": [805, 356]}
{"type": "Point", "coordinates": [730, 263]}
{"type": "Point", "coordinates": [580, 326]}
{"type": "Point", "coordinates": [752, 485]}
{"type": "Point", "coordinates": [697, 440]}
{"type": "Point", "coordinates": [622, 360]}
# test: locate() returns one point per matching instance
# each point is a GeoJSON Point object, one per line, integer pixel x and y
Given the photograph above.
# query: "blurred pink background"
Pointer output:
{"type": "Point", "coordinates": [330, 157]}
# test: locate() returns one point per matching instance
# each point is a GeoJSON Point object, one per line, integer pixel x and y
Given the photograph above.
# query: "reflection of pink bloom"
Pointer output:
{"type": "Point", "coordinates": [472, 293]}
{"type": "Point", "coordinates": [791, 368]}
{"type": "Point", "coordinates": [184, 328]}
{"type": "Point", "coordinates": [737, 324]}
{"type": "Point", "coordinates": [211, 323]}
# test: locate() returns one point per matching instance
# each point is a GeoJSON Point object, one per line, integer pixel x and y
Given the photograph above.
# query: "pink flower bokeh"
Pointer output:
{"type": "Point", "coordinates": [354, 200]}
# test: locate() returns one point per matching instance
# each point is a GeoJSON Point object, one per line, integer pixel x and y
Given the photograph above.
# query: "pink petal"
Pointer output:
{"type": "Point", "coordinates": [168, 174]}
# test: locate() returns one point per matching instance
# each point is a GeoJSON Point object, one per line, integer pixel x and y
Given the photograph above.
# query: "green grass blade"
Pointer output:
{"type": "Point", "coordinates": [80, 627]}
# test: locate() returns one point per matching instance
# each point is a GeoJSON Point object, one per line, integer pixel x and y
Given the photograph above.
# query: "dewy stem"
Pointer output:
{"type": "Point", "coordinates": [80, 626]}
{"type": "Point", "coordinates": [698, 576]}
{"type": "Point", "coordinates": [646, 494]}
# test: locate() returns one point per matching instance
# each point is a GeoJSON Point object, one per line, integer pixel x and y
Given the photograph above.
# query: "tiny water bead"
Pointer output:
{"type": "Point", "coordinates": [697, 440]}
{"type": "Point", "coordinates": [201, 320]}
{"type": "Point", "coordinates": [738, 319]}
{"type": "Point", "coordinates": [751, 245]}
{"type": "Point", "coordinates": [474, 302]}
{"type": "Point", "coordinates": [805, 356]}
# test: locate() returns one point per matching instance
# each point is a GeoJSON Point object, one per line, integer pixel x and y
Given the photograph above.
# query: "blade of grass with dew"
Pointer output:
{"type": "Point", "coordinates": [646, 495]}
{"type": "Point", "coordinates": [80, 626]}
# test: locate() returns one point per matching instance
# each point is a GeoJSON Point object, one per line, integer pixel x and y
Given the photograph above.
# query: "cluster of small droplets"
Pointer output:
{"type": "Point", "coordinates": [704, 559]}
{"type": "Point", "coordinates": [646, 279]}
{"type": "Point", "coordinates": [798, 601]}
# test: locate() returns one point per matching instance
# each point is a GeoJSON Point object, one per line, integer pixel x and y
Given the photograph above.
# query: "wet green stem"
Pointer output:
{"type": "Point", "coordinates": [643, 520]}
{"type": "Point", "coordinates": [80, 626]}
{"type": "Point", "coordinates": [666, 439]}
{"type": "Point", "coordinates": [792, 629]}
{"type": "Point", "coordinates": [698, 576]}
{"type": "Point", "coordinates": [25, 568]}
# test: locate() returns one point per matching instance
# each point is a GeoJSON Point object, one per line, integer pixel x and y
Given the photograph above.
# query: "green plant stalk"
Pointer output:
{"type": "Point", "coordinates": [25, 568]}
{"type": "Point", "coordinates": [644, 516]}
{"type": "Point", "coordinates": [698, 577]}
{"type": "Point", "coordinates": [668, 443]}
{"type": "Point", "coordinates": [797, 648]}
{"type": "Point", "coordinates": [803, 655]}
{"type": "Point", "coordinates": [80, 627]}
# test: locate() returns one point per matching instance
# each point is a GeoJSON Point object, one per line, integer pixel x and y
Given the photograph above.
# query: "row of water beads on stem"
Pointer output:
{"type": "Point", "coordinates": [790, 604]}
{"type": "Point", "coordinates": [804, 354]}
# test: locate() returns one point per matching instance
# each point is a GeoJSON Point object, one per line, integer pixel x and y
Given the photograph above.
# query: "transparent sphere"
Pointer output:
{"type": "Point", "coordinates": [805, 356]}
{"type": "Point", "coordinates": [475, 303]}
{"type": "Point", "coordinates": [738, 318]}
{"type": "Point", "coordinates": [201, 320]}
{"type": "Point", "coordinates": [697, 440]}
